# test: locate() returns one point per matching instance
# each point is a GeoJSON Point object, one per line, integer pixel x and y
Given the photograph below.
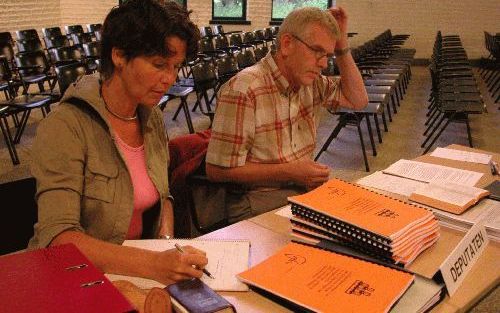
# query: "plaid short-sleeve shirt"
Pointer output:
{"type": "Point", "coordinates": [260, 119]}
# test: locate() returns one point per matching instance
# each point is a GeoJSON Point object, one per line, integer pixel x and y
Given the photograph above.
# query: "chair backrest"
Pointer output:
{"type": "Point", "coordinates": [6, 37]}
{"type": "Point", "coordinates": [65, 55]}
{"type": "Point", "coordinates": [27, 34]}
{"type": "Point", "coordinates": [268, 34]}
{"type": "Point", "coordinates": [5, 71]}
{"type": "Point", "coordinates": [73, 29]}
{"type": "Point", "coordinates": [259, 35]}
{"type": "Point", "coordinates": [18, 214]}
{"type": "Point", "coordinates": [37, 59]}
{"type": "Point", "coordinates": [206, 45]}
{"type": "Point", "coordinates": [31, 45]}
{"type": "Point", "coordinates": [260, 52]}
{"type": "Point", "coordinates": [92, 49]}
{"type": "Point", "coordinates": [248, 38]}
{"type": "Point", "coordinates": [204, 75]}
{"type": "Point", "coordinates": [330, 68]}
{"type": "Point", "coordinates": [218, 30]}
{"type": "Point", "coordinates": [235, 40]}
{"type": "Point", "coordinates": [56, 42]}
{"type": "Point", "coordinates": [51, 32]}
{"type": "Point", "coordinates": [227, 67]}
{"type": "Point", "coordinates": [94, 27]}
{"type": "Point", "coordinates": [98, 35]}
{"type": "Point", "coordinates": [206, 31]}
{"type": "Point", "coordinates": [246, 58]}
{"type": "Point", "coordinates": [221, 42]}
{"type": "Point", "coordinates": [68, 74]}
{"type": "Point", "coordinates": [7, 51]}
{"type": "Point", "coordinates": [81, 38]}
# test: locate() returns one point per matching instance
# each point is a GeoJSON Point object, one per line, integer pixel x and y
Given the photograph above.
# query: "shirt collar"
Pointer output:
{"type": "Point", "coordinates": [280, 80]}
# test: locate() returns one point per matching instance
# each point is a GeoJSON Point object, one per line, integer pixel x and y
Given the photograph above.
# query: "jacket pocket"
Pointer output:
{"type": "Point", "coordinates": [100, 180]}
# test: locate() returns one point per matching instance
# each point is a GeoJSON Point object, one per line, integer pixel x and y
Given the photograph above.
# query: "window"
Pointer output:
{"type": "Point", "coordinates": [281, 8]}
{"type": "Point", "coordinates": [181, 2]}
{"type": "Point", "coordinates": [229, 10]}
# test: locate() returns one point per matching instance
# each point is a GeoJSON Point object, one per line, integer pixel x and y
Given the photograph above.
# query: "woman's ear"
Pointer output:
{"type": "Point", "coordinates": [118, 58]}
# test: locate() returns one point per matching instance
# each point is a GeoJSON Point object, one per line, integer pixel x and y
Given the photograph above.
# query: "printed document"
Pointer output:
{"type": "Point", "coordinates": [460, 155]}
{"type": "Point", "coordinates": [395, 184]}
{"type": "Point", "coordinates": [426, 172]}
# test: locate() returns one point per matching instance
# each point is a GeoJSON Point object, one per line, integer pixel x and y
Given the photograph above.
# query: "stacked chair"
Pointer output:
{"type": "Point", "coordinates": [58, 59]}
{"type": "Point", "coordinates": [490, 66]}
{"type": "Point", "coordinates": [386, 69]}
{"type": "Point", "coordinates": [454, 95]}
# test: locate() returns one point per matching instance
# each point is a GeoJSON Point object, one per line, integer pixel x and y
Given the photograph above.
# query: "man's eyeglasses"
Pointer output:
{"type": "Point", "coordinates": [318, 53]}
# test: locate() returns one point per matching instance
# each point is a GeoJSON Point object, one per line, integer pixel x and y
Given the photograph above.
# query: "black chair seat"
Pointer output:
{"type": "Point", "coordinates": [32, 79]}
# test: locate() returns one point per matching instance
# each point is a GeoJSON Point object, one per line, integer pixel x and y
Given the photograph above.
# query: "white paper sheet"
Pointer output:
{"type": "Point", "coordinates": [391, 183]}
{"type": "Point", "coordinates": [426, 172]}
{"type": "Point", "coordinates": [226, 258]}
{"type": "Point", "coordinates": [285, 211]}
{"type": "Point", "coordinates": [460, 155]}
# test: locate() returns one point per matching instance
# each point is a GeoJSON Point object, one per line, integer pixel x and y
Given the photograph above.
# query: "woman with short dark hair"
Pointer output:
{"type": "Point", "coordinates": [101, 157]}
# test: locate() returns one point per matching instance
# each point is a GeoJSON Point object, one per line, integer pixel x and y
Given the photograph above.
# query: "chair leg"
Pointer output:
{"type": "Point", "coordinates": [469, 135]}
{"type": "Point", "coordinates": [389, 111]}
{"type": "Point", "coordinates": [370, 133]}
{"type": "Point", "coordinates": [358, 124]}
{"type": "Point", "coordinates": [384, 122]}
{"type": "Point", "coordinates": [185, 108]}
{"type": "Point", "coordinates": [179, 108]}
{"type": "Point", "coordinates": [433, 130]}
{"type": "Point", "coordinates": [377, 127]}
{"type": "Point", "coordinates": [335, 132]}
{"type": "Point", "coordinates": [394, 104]}
{"type": "Point", "coordinates": [450, 118]}
{"type": "Point", "coordinates": [22, 125]}
{"type": "Point", "coordinates": [8, 140]}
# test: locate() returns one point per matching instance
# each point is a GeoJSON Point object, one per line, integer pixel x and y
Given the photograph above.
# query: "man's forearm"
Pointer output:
{"type": "Point", "coordinates": [251, 173]}
{"type": "Point", "coordinates": [353, 88]}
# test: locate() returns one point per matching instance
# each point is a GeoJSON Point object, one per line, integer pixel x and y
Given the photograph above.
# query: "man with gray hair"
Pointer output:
{"type": "Point", "coordinates": [264, 130]}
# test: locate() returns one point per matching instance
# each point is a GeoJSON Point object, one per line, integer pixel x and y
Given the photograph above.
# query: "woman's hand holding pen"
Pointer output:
{"type": "Point", "coordinates": [171, 265]}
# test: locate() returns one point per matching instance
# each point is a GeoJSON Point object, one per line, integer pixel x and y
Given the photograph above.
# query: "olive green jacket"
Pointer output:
{"type": "Point", "coordinates": [83, 183]}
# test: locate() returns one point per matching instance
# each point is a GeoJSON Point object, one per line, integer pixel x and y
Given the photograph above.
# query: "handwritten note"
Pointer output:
{"type": "Point", "coordinates": [226, 258]}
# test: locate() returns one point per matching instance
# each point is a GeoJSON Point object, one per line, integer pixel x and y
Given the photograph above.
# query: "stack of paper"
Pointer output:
{"type": "Point", "coordinates": [373, 223]}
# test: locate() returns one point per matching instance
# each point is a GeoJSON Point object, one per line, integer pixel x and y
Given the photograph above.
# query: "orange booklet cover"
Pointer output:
{"type": "Point", "coordinates": [382, 215]}
{"type": "Point", "coordinates": [323, 281]}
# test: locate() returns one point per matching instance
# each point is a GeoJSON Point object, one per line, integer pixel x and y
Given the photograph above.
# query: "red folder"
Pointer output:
{"type": "Point", "coordinates": [56, 279]}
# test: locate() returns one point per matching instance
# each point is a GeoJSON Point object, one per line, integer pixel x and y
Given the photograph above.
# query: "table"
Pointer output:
{"type": "Point", "coordinates": [268, 232]}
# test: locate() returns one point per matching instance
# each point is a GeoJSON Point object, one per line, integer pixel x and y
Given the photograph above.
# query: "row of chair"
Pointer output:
{"type": "Point", "coordinates": [454, 94]}
{"type": "Point", "coordinates": [386, 70]}
{"type": "Point", "coordinates": [490, 66]}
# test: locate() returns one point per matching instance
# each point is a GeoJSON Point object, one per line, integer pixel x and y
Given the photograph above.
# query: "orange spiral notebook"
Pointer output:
{"type": "Point", "coordinates": [368, 220]}
{"type": "Point", "coordinates": [324, 281]}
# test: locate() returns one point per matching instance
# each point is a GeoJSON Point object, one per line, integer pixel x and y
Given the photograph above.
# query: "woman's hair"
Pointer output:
{"type": "Point", "coordinates": [297, 22]}
{"type": "Point", "coordinates": [140, 28]}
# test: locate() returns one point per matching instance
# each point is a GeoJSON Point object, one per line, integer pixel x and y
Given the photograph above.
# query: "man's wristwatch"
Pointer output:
{"type": "Point", "coordinates": [341, 52]}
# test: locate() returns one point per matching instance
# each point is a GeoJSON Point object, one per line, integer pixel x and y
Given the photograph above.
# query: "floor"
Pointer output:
{"type": "Point", "coordinates": [344, 155]}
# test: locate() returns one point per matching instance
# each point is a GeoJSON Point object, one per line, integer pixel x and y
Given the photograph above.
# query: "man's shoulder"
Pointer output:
{"type": "Point", "coordinates": [250, 78]}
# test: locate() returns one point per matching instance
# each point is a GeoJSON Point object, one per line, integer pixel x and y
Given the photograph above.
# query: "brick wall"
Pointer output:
{"type": "Point", "coordinates": [24, 14]}
{"type": "Point", "coordinates": [85, 12]}
{"type": "Point", "coordinates": [421, 19]}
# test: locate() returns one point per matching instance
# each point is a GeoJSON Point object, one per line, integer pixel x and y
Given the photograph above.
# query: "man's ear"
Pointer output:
{"type": "Point", "coordinates": [286, 44]}
{"type": "Point", "coordinates": [118, 58]}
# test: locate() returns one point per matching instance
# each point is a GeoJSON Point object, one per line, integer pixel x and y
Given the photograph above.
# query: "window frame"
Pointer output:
{"type": "Point", "coordinates": [278, 21]}
{"type": "Point", "coordinates": [231, 19]}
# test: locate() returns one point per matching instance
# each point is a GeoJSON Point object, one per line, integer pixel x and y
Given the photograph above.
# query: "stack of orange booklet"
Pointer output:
{"type": "Point", "coordinates": [323, 281]}
{"type": "Point", "coordinates": [375, 224]}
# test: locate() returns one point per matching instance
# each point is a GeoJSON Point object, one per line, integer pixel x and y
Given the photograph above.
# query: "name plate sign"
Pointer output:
{"type": "Point", "coordinates": [459, 263]}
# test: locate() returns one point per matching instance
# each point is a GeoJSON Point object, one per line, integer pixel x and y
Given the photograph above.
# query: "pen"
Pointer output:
{"type": "Point", "coordinates": [179, 248]}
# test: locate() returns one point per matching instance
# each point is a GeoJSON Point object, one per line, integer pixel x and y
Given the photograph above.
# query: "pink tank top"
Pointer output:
{"type": "Point", "coordinates": [145, 193]}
